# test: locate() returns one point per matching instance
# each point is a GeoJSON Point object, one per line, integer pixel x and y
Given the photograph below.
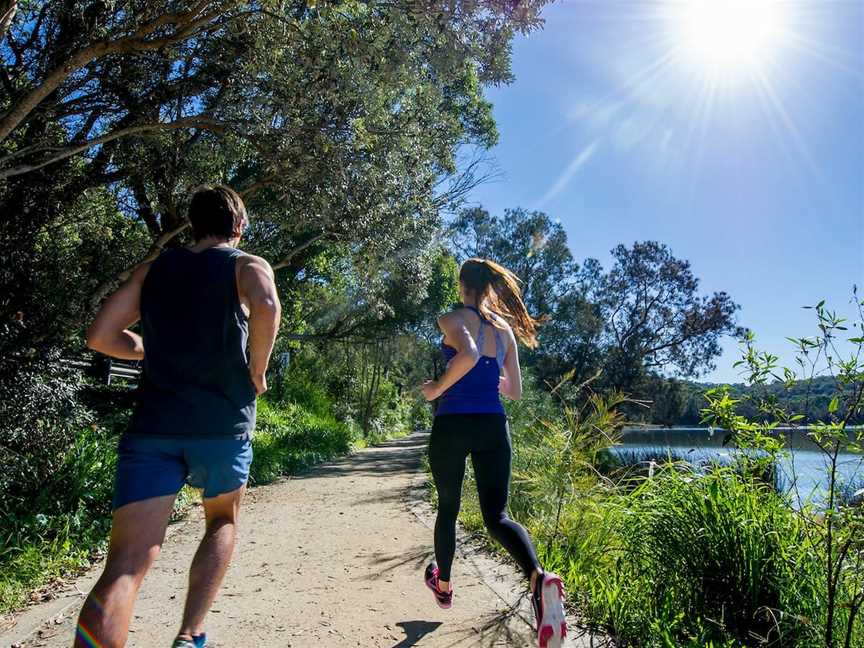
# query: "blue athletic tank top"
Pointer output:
{"type": "Point", "coordinates": [477, 391]}
{"type": "Point", "coordinates": [196, 380]}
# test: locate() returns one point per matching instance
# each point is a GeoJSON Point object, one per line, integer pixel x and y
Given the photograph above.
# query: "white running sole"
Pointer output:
{"type": "Point", "coordinates": [553, 626]}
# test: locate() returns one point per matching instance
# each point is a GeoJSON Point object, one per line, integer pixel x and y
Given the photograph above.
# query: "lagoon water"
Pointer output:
{"type": "Point", "coordinates": [803, 469]}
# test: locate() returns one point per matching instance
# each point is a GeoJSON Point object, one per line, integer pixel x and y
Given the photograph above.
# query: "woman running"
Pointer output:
{"type": "Point", "coordinates": [479, 344]}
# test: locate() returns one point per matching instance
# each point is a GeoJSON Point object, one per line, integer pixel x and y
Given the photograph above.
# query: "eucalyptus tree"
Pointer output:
{"type": "Point", "coordinates": [336, 120]}
{"type": "Point", "coordinates": [655, 313]}
{"type": "Point", "coordinates": [530, 243]}
{"type": "Point", "coordinates": [645, 315]}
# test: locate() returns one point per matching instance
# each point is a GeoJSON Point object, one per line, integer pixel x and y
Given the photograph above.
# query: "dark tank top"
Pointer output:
{"type": "Point", "coordinates": [196, 380]}
{"type": "Point", "coordinates": [477, 391]}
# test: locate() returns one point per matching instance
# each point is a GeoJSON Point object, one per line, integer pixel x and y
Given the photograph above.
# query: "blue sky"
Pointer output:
{"type": "Point", "coordinates": [753, 172]}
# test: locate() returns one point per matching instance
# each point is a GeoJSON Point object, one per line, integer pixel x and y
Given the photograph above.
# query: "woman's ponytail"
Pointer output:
{"type": "Point", "coordinates": [501, 287]}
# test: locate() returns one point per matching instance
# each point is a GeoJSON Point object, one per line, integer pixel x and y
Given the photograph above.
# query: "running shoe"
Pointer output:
{"type": "Point", "coordinates": [198, 641]}
{"type": "Point", "coordinates": [547, 600]}
{"type": "Point", "coordinates": [443, 599]}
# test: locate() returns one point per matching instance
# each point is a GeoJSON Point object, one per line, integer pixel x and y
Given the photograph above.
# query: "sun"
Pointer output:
{"type": "Point", "coordinates": [730, 33]}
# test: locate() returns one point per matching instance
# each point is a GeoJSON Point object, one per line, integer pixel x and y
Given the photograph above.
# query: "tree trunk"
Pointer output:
{"type": "Point", "coordinates": [8, 8]}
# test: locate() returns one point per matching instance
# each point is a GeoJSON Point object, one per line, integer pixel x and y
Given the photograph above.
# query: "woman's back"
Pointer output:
{"type": "Point", "coordinates": [477, 391]}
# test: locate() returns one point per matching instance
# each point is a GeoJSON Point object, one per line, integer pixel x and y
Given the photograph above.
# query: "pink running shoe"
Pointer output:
{"type": "Point", "coordinates": [548, 602]}
{"type": "Point", "coordinates": [443, 599]}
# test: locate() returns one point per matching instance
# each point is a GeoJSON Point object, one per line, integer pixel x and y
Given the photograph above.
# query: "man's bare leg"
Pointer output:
{"type": "Point", "coordinates": [137, 532]}
{"type": "Point", "coordinates": [211, 560]}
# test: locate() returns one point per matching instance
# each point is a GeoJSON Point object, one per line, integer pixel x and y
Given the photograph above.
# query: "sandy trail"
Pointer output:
{"type": "Point", "coordinates": [330, 558]}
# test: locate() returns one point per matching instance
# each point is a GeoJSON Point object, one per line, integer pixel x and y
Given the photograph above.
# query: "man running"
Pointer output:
{"type": "Point", "coordinates": [209, 315]}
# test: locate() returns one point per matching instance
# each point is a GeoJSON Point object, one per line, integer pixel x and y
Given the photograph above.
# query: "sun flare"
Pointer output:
{"type": "Point", "coordinates": [731, 33]}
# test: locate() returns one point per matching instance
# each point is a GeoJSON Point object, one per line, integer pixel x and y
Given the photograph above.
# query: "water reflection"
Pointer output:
{"type": "Point", "coordinates": [802, 469]}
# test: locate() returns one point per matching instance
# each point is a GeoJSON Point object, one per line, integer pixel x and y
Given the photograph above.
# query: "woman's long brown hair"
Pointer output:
{"type": "Point", "coordinates": [496, 285]}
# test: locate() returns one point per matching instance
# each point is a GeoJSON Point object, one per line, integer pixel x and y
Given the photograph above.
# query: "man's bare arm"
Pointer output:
{"type": "Point", "coordinates": [257, 287]}
{"type": "Point", "coordinates": [109, 333]}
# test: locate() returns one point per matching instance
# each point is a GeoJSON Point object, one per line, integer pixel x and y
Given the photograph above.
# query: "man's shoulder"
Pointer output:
{"type": "Point", "coordinates": [251, 265]}
{"type": "Point", "coordinates": [245, 259]}
{"type": "Point", "coordinates": [140, 272]}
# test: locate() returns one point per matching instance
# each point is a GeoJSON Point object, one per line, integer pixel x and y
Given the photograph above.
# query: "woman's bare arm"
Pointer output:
{"type": "Point", "coordinates": [456, 335]}
{"type": "Point", "coordinates": [511, 381]}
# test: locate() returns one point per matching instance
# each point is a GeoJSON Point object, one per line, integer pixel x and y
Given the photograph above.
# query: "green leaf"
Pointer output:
{"type": "Point", "coordinates": [834, 405]}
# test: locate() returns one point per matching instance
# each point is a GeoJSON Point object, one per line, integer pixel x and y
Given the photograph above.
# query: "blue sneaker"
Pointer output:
{"type": "Point", "coordinates": [199, 641]}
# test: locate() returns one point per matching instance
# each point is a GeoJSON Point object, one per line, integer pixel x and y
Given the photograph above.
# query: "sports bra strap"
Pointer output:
{"type": "Point", "coordinates": [500, 348]}
{"type": "Point", "coordinates": [477, 312]}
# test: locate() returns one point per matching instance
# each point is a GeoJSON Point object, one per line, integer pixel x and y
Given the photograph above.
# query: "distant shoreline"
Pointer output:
{"type": "Point", "coordinates": [651, 427]}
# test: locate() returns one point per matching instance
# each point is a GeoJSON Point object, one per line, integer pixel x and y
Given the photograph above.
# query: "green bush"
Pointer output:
{"type": "Point", "coordinates": [691, 558]}
{"type": "Point", "coordinates": [64, 524]}
{"type": "Point", "coordinates": [682, 558]}
{"type": "Point", "coordinates": [40, 419]}
{"type": "Point", "coordinates": [289, 437]}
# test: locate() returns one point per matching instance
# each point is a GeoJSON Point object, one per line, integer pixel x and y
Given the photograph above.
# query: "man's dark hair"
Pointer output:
{"type": "Point", "coordinates": [216, 211]}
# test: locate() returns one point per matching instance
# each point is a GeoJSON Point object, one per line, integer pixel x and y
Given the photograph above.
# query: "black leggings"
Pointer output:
{"type": "Point", "coordinates": [487, 439]}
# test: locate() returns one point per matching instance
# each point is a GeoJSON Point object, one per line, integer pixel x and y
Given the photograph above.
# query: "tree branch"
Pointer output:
{"type": "Point", "coordinates": [286, 261]}
{"type": "Point", "coordinates": [188, 23]}
{"type": "Point", "coordinates": [8, 8]}
{"type": "Point", "coordinates": [154, 251]}
{"type": "Point", "coordinates": [258, 185]}
{"type": "Point", "coordinates": [63, 153]}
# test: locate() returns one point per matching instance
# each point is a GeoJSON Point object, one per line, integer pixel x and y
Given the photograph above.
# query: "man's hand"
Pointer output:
{"type": "Point", "coordinates": [431, 390]}
{"type": "Point", "coordinates": [260, 382]}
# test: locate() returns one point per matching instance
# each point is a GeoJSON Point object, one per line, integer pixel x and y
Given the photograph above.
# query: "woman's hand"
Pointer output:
{"type": "Point", "coordinates": [431, 390]}
{"type": "Point", "coordinates": [504, 386]}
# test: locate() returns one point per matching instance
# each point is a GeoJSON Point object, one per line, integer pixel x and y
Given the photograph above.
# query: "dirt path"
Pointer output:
{"type": "Point", "coordinates": [331, 558]}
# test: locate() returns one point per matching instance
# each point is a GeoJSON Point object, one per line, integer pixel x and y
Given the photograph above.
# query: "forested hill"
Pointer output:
{"type": "Point", "coordinates": [810, 398]}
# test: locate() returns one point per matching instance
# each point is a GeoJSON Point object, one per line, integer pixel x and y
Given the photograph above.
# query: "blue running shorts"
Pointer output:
{"type": "Point", "coordinates": [153, 466]}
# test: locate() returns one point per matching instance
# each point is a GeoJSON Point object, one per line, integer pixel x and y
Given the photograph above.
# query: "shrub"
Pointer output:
{"type": "Point", "coordinates": [686, 557]}
{"type": "Point", "coordinates": [289, 437]}
{"type": "Point", "coordinates": [713, 557]}
{"type": "Point", "coordinates": [40, 417]}
{"type": "Point", "coordinates": [62, 526]}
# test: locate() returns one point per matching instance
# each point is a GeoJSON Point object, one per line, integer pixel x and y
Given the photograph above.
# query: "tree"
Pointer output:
{"type": "Point", "coordinates": [529, 243]}
{"type": "Point", "coordinates": [338, 121]}
{"type": "Point", "coordinates": [655, 315]}
{"type": "Point", "coordinates": [644, 316]}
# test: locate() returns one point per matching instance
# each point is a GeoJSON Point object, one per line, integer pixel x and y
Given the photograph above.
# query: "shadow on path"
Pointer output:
{"type": "Point", "coordinates": [417, 557]}
{"type": "Point", "coordinates": [386, 496]}
{"type": "Point", "coordinates": [415, 631]}
{"type": "Point", "coordinates": [495, 629]}
{"type": "Point", "coordinates": [390, 458]}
